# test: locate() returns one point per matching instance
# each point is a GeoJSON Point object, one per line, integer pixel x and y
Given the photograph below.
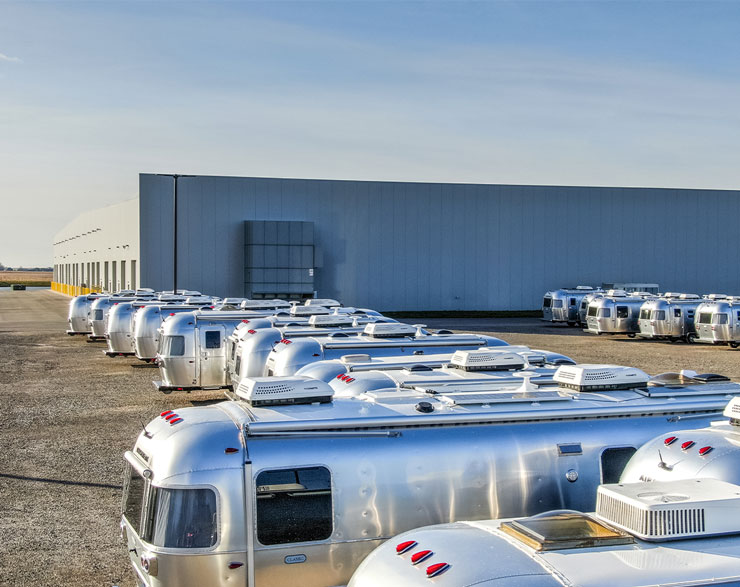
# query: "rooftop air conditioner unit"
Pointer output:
{"type": "Point", "coordinates": [328, 321]}
{"type": "Point", "coordinates": [599, 377]}
{"type": "Point", "coordinates": [668, 510]}
{"type": "Point", "coordinates": [308, 310]}
{"type": "Point", "coordinates": [324, 302]}
{"type": "Point", "coordinates": [486, 360]}
{"type": "Point", "coordinates": [389, 330]}
{"type": "Point", "coordinates": [275, 391]}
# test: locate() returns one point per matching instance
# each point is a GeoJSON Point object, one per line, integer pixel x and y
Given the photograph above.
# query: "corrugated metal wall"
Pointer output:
{"type": "Point", "coordinates": [417, 246]}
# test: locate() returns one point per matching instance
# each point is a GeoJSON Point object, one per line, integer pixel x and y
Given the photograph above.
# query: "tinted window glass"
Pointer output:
{"type": "Point", "coordinates": [720, 319]}
{"type": "Point", "coordinates": [557, 303]}
{"type": "Point", "coordinates": [613, 462]}
{"type": "Point", "coordinates": [133, 497]}
{"type": "Point", "coordinates": [592, 310]}
{"type": "Point", "coordinates": [97, 314]}
{"type": "Point", "coordinates": [294, 505]}
{"type": "Point", "coordinates": [605, 313]}
{"type": "Point", "coordinates": [546, 302]}
{"type": "Point", "coordinates": [173, 346]}
{"type": "Point", "coordinates": [644, 314]}
{"type": "Point", "coordinates": [572, 301]}
{"type": "Point", "coordinates": [677, 312]}
{"type": "Point", "coordinates": [622, 311]}
{"type": "Point", "coordinates": [658, 314]}
{"type": "Point", "coordinates": [184, 518]}
{"type": "Point", "coordinates": [705, 318]}
{"type": "Point", "coordinates": [213, 339]}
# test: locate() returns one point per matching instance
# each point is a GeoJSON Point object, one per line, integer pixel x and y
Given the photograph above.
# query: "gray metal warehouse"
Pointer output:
{"type": "Point", "coordinates": [401, 246]}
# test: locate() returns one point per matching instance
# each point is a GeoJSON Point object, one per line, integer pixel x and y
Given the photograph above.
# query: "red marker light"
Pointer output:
{"type": "Point", "coordinates": [167, 413]}
{"type": "Point", "coordinates": [245, 321]}
{"type": "Point", "coordinates": [670, 440]}
{"type": "Point", "coordinates": [175, 421]}
{"type": "Point", "coordinates": [231, 450]}
{"type": "Point", "coordinates": [687, 445]}
{"type": "Point", "coordinates": [235, 565]}
{"type": "Point", "coordinates": [170, 416]}
{"type": "Point", "coordinates": [436, 569]}
{"type": "Point", "coordinates": [172, 313]}
{"type": "Point", "coordinates": [250, 331]}
{"type": "Point", "coordinates": [422, 555]}
{"type": "Point", "coordinates": [705, 450]}
{"type": "Point", "coordinates": [405, 546]}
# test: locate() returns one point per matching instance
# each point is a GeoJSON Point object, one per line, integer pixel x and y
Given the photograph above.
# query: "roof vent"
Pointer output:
{"type": "Point", "coordinates": [324, 302]}
{"type": "Point", "coordinates": [327, 321]}
{"type": "Point", "coordinates": [264, 304]}
{"type": "Point", "coordinates": [616, 293]}
{"type": "Point", "coordinates": [715, 296]}
{"type": "Point", "coordinates": [486, 360]}
{"type": "Point", "coordinates": [309, 310]}
{"type": "Point", "coordinates": [599, 377]}
{"type": "Point", "coordinates": [389, 330]}
{"type": "Point", "coordinates": [668, 510]}
{"type": "Point", "coordinates": [350, 359]}
{"type": "Point", "coordinates": [685, 296]}
{"type": "Point", "coordinates": [585, 287]}
{"type": "Point", "coordinates": [276, 391]}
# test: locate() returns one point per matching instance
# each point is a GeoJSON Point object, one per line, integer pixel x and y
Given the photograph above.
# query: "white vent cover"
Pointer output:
{"type": "Point", "coordinates": [389, 330]}
{"type": "Point", "coordinates": [666, 510]}
{"type": "Point", "coordinates": [308, 310]}
{"type": "Point", "coordinates": [486, 360]}
{"type": "Point", "coordinates": [732, 410]}
{"type": "Point", "coordinates": [585, 287]}
{"type": "Point", "coordinates": [616, 293]}
{"type": "Point", "coordinates": [264, 304]}
{"type": "Point", "coordinates": [324, 302]}
{"type": "Point", "coordinates": [599, 377]}
{"type": "Point", "coordinates": [715, 296]}
{"type": "Point", "coordinates": [351, 359]}
{"type": "Point", "coordinates": [322, 321]}
{"type": "Point", "coordinates": [274, 391]}
{"type": "Point", "coordinates": [685, 296]}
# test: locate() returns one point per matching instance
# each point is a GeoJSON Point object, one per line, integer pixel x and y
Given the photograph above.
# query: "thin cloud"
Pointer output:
{"type": "Point", "coordinates": [9, 59]}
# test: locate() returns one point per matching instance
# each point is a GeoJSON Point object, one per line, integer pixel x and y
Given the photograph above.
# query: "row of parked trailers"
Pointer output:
{"type": "Point", "coordinates": [347, 439]}
{"type": "Point", "coordinates": [712, 318]}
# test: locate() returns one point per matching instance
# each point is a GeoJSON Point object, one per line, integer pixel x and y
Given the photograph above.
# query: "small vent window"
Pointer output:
{"type": "Point", "coordinates": [294, 505]}
{"type": "Point", "coordinates": [213, 339]}
{"type": "Point", "coordinates": [613, 462]}
{"type": "Point", "coordinates": [623, 312]}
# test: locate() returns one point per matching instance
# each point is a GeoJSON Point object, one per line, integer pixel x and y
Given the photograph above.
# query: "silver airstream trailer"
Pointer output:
{"type": "Point", "coordinates": [377, 340]}
{"type": "Point", "coordinates": [99, 314]}
{"type": "Point", "coordinates": [348, 366]}
{"type": "Point", "coordinates": [562, 305]}
{"type": "Point", "coordinates": [718, 320]}
{"type": "Point", "coordinates": [119, 331]}
{"type": "Point", "coordinates": [147, 321]}
{"type": "Point", "coordinates": [669, 317]}
{"type": "Point", "coordinates": [79, 313]}
{"type": "Point", "coordinates": [711, 453]}
{"type": "Point", "coordinates": [617, 312]}
{"type": "Point", "coordinates": [679, 533]}
{"type": "Point", "coordinates": [270, 490]}
{"type": "Point", "coordinates": [250, 344]}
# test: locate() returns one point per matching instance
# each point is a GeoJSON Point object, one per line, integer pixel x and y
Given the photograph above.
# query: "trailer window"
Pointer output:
{"type": "Point", "coordinates": [613, 462]}
{"type": "Point", "coordinates": [622, 311]}
{"type": "Point", "coordinates": [572, 301]}
{"type": "Point", "coordinates": [719, 319]}
{"type": "Point", "coordinates": [676, 312]}
{"type": "Point", "coordinates": [583, 305]}
{"type": "Point", "coordinates": [546, 302]}
{"type": "Point", "coordinates": [238, 365]}
{"type": "Point", "coordinates": [173, 346]}
{"type": "Point", "coordinates": [644, 314]}
{"type": "Point", "coordinates": [557, 303]}
{"type": "Point", "coordinates": [591, 311]}
{"type": "Point", "coordinates": [213, 339]}
{"type": "Point", "coordinates": [184, 518]}
{"type": "Point", "coordinates": [605, 313]}
{"type": "Point", "coordinates": [705, 318]}
{"type": "Point", "coordinates": [294, 505]}
{"type": "Point", "coordinates": [98, 315]}
{"type": "Point", "coordinates": [134, 486]}
{"type": "Point", "coordinates": [658, 314]}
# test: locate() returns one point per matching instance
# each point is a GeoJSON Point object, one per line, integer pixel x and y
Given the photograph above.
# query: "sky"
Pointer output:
{"type": "Point", "coordinates": [611, 93]}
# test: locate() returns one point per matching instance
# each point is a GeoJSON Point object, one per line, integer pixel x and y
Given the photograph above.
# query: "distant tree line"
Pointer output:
{"type": "Point", "coordinates": [4, 268]}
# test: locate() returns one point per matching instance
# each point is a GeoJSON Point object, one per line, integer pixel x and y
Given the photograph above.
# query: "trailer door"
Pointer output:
{"type": "Point", "coordinates": [212, 357]}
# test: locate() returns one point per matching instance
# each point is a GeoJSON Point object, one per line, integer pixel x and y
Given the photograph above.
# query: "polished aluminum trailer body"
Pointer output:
{"type": "Point", "coordinates": [250, 344]}
{"type": "Point", "coordinates": [615, 313]}
{"type": "Point", "coordinates": [147, 322]}
{"type": "Point", "coordinates": [670, 317]}
{"type": "Point", "coordinates": [497, 552]}
{"type": "Point", "coordinates": [562, 305]}
{"type": "Point", "coordinates": [718, 321]}
{"type": "Point", "coordinates": [583, 308]}
{"type": "Point", "coordinates": [99, 314]}
{"type": "Point", "coordinates": [290, 355]}
{"type": "Point", "coordinates": [119, 332]}
{"type": "Point", "coordinates": [79, 314]}
{"type": "Point", "coordinates": [299, 494]}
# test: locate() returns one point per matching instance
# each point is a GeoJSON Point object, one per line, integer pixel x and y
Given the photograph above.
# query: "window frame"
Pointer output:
{"type": "Point", "coordinates": [255, 505]}
{"type": "Point", "coordinates": [206, 345]}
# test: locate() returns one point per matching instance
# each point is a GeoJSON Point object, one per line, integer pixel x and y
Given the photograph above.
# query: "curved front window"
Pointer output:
{"type": "Point", "coordinates": [658, 314]}
{"type": "Point", "coordinates": [183, 518]}
{"type": "Point", "coordinates": [719, 319]}
{"type": "Point", "coordinates": [173, 346]}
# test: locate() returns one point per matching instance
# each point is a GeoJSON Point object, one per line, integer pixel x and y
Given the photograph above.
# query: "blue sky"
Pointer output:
{"type": "Point", "coordinates": [568, 93]}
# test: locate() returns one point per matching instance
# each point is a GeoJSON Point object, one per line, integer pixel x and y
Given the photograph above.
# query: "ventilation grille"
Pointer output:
{"type": "Point", "coordinates": [652, 523]}
{"type": "Point", "coordinates": [272, 389]}
{"type": "Point", "coordinates": [571, 375]}
{"type": "Point", "coordinates": [598, 375]}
